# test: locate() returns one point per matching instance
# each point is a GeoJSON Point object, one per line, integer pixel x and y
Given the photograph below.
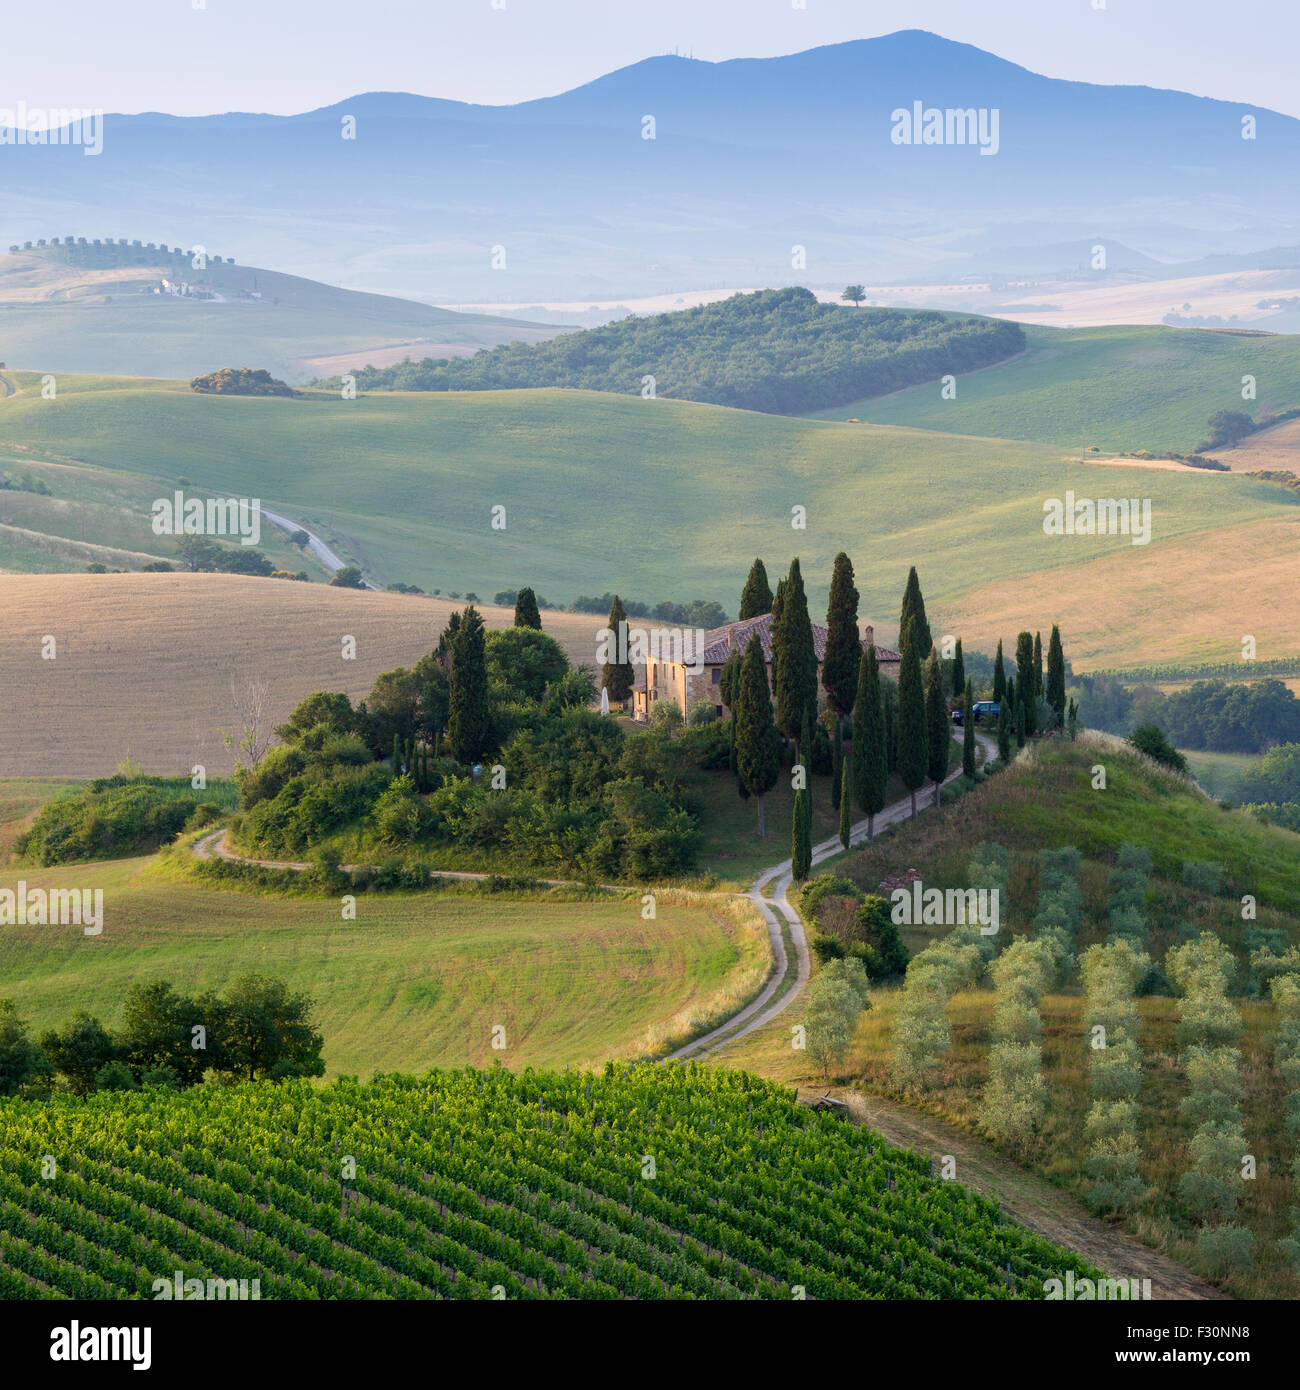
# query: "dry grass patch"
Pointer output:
{"type": "Point", "coordinates": [1186, 599]}
{"type": "Point", "coordinates": [145, 662]}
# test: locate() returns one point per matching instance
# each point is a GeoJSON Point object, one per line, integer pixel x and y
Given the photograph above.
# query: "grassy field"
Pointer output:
{"type": "Point", "coordinates": [60, 318]}
{"type": "Point", "coordinates": [1121, 388]}
{"type": "Point", "coordinates": [731, 847]}
{"type": "Point", "coordinates": [406, 483]}
{"type": "Point", "coordinates": [145, 662]}
{"type": "Point", "coordinates": [1046, 800]}
{"type": "Point", "coordinates": [414, 981]}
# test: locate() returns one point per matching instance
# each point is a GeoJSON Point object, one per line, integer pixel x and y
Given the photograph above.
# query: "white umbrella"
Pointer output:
{"type": "Point", "coordinates": [604, 700]}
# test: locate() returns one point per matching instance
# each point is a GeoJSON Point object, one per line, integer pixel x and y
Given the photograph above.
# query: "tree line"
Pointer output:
{"type": "Point", "coordinates": [258, 1029]}
{"type": "Point", "coordinates": [904, 730]}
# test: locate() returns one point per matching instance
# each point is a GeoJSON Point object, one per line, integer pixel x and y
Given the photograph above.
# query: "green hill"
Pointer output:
{"type": "Point", "coordinates": [1120, 388]}
{"type": "Point", "coordinates": [63, 310]}
{"type": "Point", "coordinates": [416, 980]}
{"type": "Point", "coordinates": [652, 1183]}
{"type": "Point", "coordinates": [659, 497]}
{"type": "Point", "coordinates": [775, 350]}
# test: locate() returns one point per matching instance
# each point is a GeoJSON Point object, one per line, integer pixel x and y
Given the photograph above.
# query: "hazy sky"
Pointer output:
{"type": "Point", "coordinates": [198, 56]}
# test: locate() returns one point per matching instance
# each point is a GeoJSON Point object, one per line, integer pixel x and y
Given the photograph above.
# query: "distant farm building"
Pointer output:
{"type": "Point", "coordinates": [686, 681]}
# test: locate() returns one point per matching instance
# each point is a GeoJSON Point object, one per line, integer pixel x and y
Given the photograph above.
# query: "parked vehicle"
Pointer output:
{"type": "Point", "coordinates": [981, 710]}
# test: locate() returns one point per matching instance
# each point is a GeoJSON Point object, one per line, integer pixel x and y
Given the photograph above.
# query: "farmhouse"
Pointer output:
{"type": "Point", "coordinates": [685, 682]}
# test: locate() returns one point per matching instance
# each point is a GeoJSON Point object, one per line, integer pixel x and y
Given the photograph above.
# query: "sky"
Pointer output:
{"type": "Point", "coordinates": [197, 57]}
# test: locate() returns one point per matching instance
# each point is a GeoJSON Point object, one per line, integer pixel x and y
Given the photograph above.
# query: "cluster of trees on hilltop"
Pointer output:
{"type": "Point", "coordinates": [257, 1030]}
{"type": "Point", "coordinates": [487, 746]}
{"type": "Point", "coordinates": [105, 252]}
{"type": "Point", "coordinates": [779, 351]}
{"type": "Point", "coordinates": [241, 381]}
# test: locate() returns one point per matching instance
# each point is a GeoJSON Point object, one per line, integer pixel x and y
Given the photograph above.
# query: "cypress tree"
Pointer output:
{"type": "Point", "coordinates": [1056, 675]}
{"type": "Point", "coordinates": [1004, 730]}
{"type": "Point", "coordinates": [837, 760]}
{"type": "Point", "coordinates": [1024, 715]}
{"type": "Point", "coordinates": [968, 733]}
{"type": "Point", "coordinates": [914, 607]}
{"type": "Point", "coordinates": [999, 676]}
{"type": "Point", "coordinates": [468, 718]}
{"type": "Point", "coordinates": [958, 672]}
{"type": "Point", "coordinates": [729, 677]}
{"type": "Point", "coordinates": [870, 749]}
{"type": "Point", "coordinates": [1025, 683]}
{"type": "Point", "coordinates": [1038, 666]}
{"type": "Point", "coordinates": [936, 718]}
{"type": "Point", "coordinates": [526, 611]}
{"type": "Point", "coordinates": [757, 597]}
{"type": "Point", "coordinates": [758, 745]}
{"type": "Point", "coordinates": [617, 676]}
{"type": "Point", "coordinates": [913, 742]}
{"type": "Point", "coordinates": [843, 643]}
{"type": "Point", "coordinates": [801, 836]}
{"type": "Point", "coordinates": [891, 734]}
{"type": "Point", "coordinates": [796, 675]}
{"type": "Point", "coordinates": [846, 800]}
{"type": "Point", "coordinates": [778, 605]}
{"type": "Point", "coordinates": [397, 756]}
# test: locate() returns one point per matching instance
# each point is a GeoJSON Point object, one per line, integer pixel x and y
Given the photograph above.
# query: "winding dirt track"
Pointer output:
{"type": "Point", "coordinates": [780, 992]}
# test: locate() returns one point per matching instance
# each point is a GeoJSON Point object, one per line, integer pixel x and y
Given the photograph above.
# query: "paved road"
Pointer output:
{"type": "Point", "coordinates": [7, 389]}
{"type": "Point", "coordinates": [329, 558]}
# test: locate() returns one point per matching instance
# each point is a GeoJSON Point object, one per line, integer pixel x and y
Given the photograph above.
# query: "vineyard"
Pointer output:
{"type": "Point", "coordinates": [648, 1182]}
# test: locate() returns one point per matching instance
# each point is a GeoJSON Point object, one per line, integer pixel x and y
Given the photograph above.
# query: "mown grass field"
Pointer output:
{"type": "Point", "coordinates": [145, 662]}
{"type": "Point", "coordinates": [1047, 801]}
{"type": "Point", "coordinates": [1121, 388]}
{"type": "Point", "coordinates": [653, 499]}
{"type": "Point", "coordinates": [416, 980]}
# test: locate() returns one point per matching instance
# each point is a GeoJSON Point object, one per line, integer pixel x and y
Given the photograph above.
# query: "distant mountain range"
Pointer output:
{"type": "Point", "coordinates": [750, 158]}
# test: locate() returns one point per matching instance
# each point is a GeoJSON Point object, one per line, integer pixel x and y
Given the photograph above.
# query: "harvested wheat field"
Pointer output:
{"type": "Point", "coordinates": [1191, 598]}
{"type": "Point", "coordinates": [1277, 447]}
{"type": "Point", "coordinates": [155, 665]}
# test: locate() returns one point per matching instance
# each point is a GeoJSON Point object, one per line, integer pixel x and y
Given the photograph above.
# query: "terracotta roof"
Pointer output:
{"type": "Point", "coordinates": [719, 642]}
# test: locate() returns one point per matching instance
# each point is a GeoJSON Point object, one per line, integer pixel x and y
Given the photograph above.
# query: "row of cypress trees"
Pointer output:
{"type": "Point", "coordinates": [916, 746]}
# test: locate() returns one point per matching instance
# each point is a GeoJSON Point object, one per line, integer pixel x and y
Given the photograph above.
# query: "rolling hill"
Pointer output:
{"type": "Point", "coordinates": [1120, 388]}
{"type": "Point", "coordinates": [151, 665]}
{"type": "Point", "coordinates": [654, 499]}
{"type": "Point", "coordinates": [489, 1185]}
{"type": "Point", "coordinates": [59, 316]}
{"type": "Point", "coordinates": [1046, 800]}
{"type": "Point", "coordinates": [751, 157]}
{"type": "Point", "coordinates": [415, 980]}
